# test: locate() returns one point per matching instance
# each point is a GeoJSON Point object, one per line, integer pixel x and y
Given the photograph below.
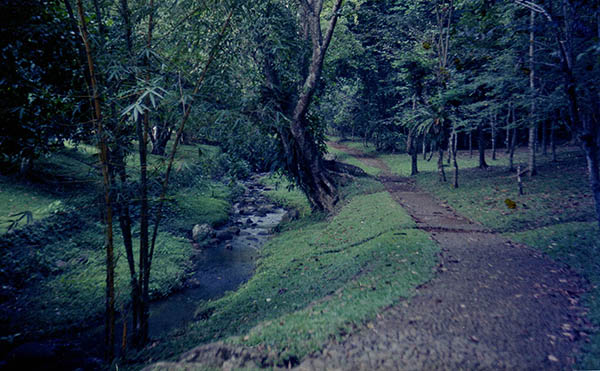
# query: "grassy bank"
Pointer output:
{"type": "Point", "coordinates": [317, 279]}
{"type": "Point", "coordinates": [53, 268]}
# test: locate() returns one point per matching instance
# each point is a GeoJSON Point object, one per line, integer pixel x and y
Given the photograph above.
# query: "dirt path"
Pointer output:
{"type": "Point", "coordinates": [492, 305]}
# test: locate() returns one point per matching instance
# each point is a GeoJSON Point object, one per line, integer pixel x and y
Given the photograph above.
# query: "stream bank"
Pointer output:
{"type": "Point", "coordinates": [219, 266]}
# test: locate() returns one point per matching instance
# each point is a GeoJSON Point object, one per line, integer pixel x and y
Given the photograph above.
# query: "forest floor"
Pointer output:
{"type": "Point", "coordinates": [493, 304]}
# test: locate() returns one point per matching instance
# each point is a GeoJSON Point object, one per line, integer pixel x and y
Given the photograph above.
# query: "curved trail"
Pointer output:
{"type": "Point", "coordinates": [492, 305]}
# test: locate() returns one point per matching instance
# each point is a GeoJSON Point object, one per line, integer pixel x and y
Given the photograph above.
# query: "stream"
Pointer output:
{"type": "Point", "coordinates": [222, 266]}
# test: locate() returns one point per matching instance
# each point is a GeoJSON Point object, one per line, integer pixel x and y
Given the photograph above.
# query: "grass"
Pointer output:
{"type": "Point", "coordinates": [558, 194]}
{"type": "Point", "coordinates": [318, 279]}
{"type": "Point", "coordinates": [72, 292]}
{"type": "Point", "coordinates": [576, 244]}
{"type": "Point", "coordinates": [400, 163]}
{"type": "Point", "coordinates": [55, 268]}
{"type": "Point", "coordinates": [206, 203]}
{"type": "Point", "coordinates": [346, 158]}
{"type": "Point", "coordinates": [286, 195]}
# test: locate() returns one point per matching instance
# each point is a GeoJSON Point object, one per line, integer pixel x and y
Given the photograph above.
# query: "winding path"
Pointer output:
{"type": "Point", "coordinates": [493, 304]}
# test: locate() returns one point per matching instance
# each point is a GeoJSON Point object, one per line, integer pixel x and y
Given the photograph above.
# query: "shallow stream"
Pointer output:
{"type": "Point", "coordinates": [222, 266]}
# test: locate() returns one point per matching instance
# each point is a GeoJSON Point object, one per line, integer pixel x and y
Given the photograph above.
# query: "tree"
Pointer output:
{"type": "Point", "coordinates": [581, 118]}
{"type": "Point", "coordinates": [41, 82]}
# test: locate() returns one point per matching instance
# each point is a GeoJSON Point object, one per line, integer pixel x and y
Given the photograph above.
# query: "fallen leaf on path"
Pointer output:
{"type": "Point", "coordinates": [552, 358]}
{"type": "Point", "coordinates": [569, 335]}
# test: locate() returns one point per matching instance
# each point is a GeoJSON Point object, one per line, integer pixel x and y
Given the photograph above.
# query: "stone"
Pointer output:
{"type": "Point", "coordinates": [265, 209]}
{"type": "Point", "coordinates": [247, 210]}
{"type": "Point", "coordinates": [229, 246]}
{"type": "Point", "coordinates": [224, 235]}
{"type": "Point", "coordinates": [290, 215]}
{"type": "Point", "coordinates": [201, 232]}
{"type": "Point", "coordinates": [235, 230]}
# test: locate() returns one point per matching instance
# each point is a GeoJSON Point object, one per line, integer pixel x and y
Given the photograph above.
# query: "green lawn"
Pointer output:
{"type": "Point", "coordinates": [558, 194]}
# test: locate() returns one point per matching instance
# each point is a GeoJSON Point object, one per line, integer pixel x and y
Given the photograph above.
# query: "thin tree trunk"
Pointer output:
{"type": "Point", "coordinates": [481, 146]}
{"type": "Point", "coordinates": [411, 144]}
{"type": "Point", "coordinates": [507, 140]}
{"type": "Point", "coordinates": [454, 142]}
{"type": "Point", "coordinates": [544, 138]}
{"type": "Point", "coordinates": [142, 128]}
{"type": "Point", "coordinates": [493, 123]}
{"type": "Point", "coordinates": [513, 145]}
{"type": "Point", "coordinates": [424, 147]}
{"type": "Point", "coordinates": [590, 144]}
{"type": "Point", "coordinates": [532, 123]}
{"type": "Point", "coordinates": [110, 267]}
{"type": "Point", "coordinates": [440, 164]}
{"type": "Point", "coordinates": [187, 109]}
{"type": "Point", "coordinates": [553, 142]}
{"type": "Point", "coordinates": [471, 143]}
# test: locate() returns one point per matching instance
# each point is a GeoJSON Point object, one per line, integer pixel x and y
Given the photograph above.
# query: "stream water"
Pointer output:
{"type": "Point", "coordinates": [221, 267]}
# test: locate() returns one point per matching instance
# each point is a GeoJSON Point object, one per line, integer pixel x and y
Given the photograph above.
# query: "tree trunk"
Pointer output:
{"type": "Point", "coordinates": [142, 129]}
{"type": "Point", "coordinates": [590, 145]}
{"type": "Point", "coordinates": [305, 162]}
{"type": "Point", "coordinates": [471, 143]}
{"type": "Point", "coordinates": [493, 124]}
{"type": "Point", "coordinates": [424, 147]}
{"type": "Point", "coordinates": [511, 156]}
{"type": "Point", "coordinates": [160, 136]}
{"type": "Point", "coordinates": [454, 141]}
{"type": "Point", "coordinates": [544, 138]}
{"type": "Point", "coordinates": [440, 164]}
{"type": "Point", "coordinates": [553, 142]}
{"type": "Point", "coordinates": [109, 244]}
{"type": "Point", "coordinates": [532, 123]}
{"type": "Point", "coordinates": [507, 140]}
{"type": "Point", "coordinates": [411, 149]}
{"type": "Point", "coordinates": [481, 145]}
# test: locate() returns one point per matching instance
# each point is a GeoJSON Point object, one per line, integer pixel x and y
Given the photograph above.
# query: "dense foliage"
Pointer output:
{"type": "Point", "coordinates": [41, 87]}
